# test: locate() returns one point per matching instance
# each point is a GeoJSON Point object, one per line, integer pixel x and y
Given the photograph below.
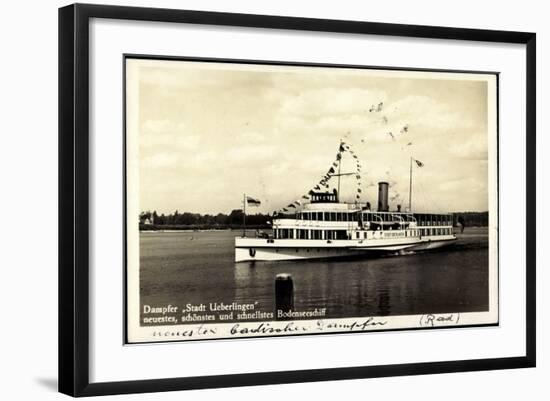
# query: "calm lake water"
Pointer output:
{"type": "Point", "coordinates": [197, 267]}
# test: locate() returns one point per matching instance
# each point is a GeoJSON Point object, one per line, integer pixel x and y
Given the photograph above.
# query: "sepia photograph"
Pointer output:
{"type": "Point", "coordinates": [268, 199]}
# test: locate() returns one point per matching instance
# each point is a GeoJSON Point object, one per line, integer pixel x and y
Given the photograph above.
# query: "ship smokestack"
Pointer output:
{"type": "Point", "coordinates": [399, 208]}
{"type": "Point", "coordinates": [383, 197]}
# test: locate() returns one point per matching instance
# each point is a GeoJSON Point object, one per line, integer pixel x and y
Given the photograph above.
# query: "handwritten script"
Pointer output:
{"type": "Point", "coordinates": [432, 320]}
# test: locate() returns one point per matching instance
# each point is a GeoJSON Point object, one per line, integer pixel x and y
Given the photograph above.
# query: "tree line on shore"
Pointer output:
{"type": "Point", "coordinates": [153, 221]}
{"type": "Point", "coordinates": [471, 219]}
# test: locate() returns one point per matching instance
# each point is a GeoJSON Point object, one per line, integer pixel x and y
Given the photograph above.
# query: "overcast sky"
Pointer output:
{"type": "Point", "coordinates": [210, 132]}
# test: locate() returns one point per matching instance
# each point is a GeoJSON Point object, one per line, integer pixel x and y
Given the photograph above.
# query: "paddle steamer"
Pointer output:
{"type": "Point", "coordinates": [328, 228]}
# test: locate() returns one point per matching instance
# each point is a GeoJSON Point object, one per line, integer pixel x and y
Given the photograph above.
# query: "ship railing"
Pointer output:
{"type": "Point", "coordinates": [398, 217]}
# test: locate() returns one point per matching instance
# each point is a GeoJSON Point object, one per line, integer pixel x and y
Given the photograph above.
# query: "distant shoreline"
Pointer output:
{"type": "Point", "coordinates": [198, 227]}
{"type": "Point", "coordinates": [192, 228]}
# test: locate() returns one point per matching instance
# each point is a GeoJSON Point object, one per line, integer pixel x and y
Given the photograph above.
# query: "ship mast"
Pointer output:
{"type": "Point", "coordinates": [244, 215]}
{"type": "Point", "coordinates": [410, 183]}
{"type": "Point", "coordinates": [339, 168]}
{"type": "Point", "coordinates": [340, 174]}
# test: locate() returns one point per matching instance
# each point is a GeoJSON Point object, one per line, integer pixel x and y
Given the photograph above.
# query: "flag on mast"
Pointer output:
{"type": "Point", "coordinates": [250, 201]}
{"type": "Point", "coordinates": [419, 163]}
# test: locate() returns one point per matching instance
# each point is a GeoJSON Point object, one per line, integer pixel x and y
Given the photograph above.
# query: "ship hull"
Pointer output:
{"type": "Point", "coordinates": [256, 249]}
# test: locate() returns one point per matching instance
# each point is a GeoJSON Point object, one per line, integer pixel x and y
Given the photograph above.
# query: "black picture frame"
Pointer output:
{"type": "Point", "coordinates": [74, 198]}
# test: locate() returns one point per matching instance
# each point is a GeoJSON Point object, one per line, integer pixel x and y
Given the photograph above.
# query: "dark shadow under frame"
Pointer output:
{"type": "Point", "coordinates": [74, 198]}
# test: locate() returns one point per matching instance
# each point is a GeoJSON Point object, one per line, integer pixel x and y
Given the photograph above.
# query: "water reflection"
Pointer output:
{"type": "Point", "coordinates": [176, 270]}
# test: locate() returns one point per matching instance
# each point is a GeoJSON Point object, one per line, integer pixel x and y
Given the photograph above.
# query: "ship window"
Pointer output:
{"type": "Point", "coordinates": [341, 234]}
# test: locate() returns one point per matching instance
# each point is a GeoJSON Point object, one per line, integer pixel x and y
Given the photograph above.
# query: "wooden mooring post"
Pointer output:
{"type": "Point", "coordinates": [284, 295]}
